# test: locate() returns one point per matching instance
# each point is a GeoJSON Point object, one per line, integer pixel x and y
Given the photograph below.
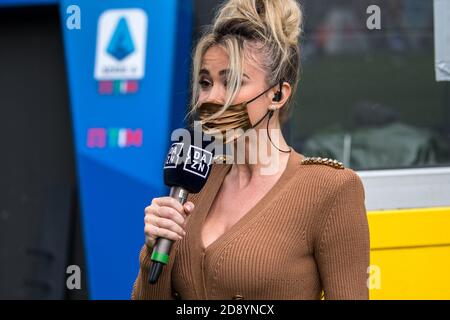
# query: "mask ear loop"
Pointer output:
{"type": "Point", "coordinates": [259, 95]}
{"type": "Point", "coordinates": [260, 120]}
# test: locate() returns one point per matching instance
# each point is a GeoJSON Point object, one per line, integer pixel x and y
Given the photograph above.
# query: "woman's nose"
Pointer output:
{"type": "Point", "coordinates": [217, 94]}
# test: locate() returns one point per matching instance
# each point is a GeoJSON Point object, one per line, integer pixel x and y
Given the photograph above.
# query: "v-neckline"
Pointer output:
{"type": "Point", "coordinates": [292, 164]}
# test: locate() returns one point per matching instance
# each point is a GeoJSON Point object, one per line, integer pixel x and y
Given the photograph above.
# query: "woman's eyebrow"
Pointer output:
{"type": "Point", "coordinates": [221, 73]}
{"type": "Point", "coordinates": [226, 71]}
{"type": "Point", "coordinates": [204, 72]}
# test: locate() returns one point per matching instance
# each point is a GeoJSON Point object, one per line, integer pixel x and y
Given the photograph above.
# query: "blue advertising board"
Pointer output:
{"type": "Point", "coordinates": [127, 65]}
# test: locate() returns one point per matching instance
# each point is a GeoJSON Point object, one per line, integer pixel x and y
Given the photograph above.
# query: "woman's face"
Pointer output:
{"type": "Point", "coordinates": [213, 82]}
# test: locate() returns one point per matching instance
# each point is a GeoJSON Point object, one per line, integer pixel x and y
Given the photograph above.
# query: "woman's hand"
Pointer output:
{"type": "Point", "coordinates": [166, 218]}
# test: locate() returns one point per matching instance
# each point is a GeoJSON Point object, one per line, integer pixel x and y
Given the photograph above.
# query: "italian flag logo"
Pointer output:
{"type": "Point", "coordinates": [117, 87]}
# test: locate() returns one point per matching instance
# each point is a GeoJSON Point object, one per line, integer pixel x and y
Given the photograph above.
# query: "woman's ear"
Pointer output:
{"type": "Point", "coordinates": [279, 100]}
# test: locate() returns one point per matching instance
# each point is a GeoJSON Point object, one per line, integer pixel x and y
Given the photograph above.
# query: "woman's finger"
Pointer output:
{"type": "Point", "coordinates": [172, 214]}
{"type": "Point", "coordinates": [188, 207]}
{"type": "Point", "coordinates": [168, 202]}
{"type": "Point", "coordinates": [167, 224]}
{"type": "Point", "coordinates": [152, 232]}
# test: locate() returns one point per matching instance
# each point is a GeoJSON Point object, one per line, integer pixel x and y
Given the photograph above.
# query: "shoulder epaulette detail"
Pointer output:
{"type": "Point", "coordinates": [328, 162]}
{"type": "Point", "coordinates": [221, 159]}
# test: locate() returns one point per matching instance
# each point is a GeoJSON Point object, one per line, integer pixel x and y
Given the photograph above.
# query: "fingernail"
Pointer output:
{"type": "Point", "coordinates": [184, 233]}
{"type": "Point", "coordinates": [189, 206]}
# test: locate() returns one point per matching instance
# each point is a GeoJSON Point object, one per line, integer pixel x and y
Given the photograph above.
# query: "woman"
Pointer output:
{"type": "Point", "coordinates": [295, 233]}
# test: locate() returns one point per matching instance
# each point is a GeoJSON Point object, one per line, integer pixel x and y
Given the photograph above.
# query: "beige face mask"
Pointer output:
{"type": "Point", "coordinates": [233, 118]}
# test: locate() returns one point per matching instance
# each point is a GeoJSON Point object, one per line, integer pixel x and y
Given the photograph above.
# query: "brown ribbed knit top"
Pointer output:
{"type": "Point", "coordinates": [308, 234]}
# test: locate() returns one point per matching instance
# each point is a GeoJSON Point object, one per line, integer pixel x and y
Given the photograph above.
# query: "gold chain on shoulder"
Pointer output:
{"type": "Point", "coordinates": [329, 162]}
{"type": "Point", "coordinates": [220, 159]}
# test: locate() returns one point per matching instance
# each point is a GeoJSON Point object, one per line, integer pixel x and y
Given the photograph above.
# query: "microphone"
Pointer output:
{"type": "Point", "coordinates": [186, 170]}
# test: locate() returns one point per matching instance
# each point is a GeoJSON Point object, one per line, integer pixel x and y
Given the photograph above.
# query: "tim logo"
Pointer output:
{"type": "Point", "coordinates": [198, 161]}
{"type": "Point", "coordinates": [101, 138]}
{"type": "Point", "coordinates": [173, 157]}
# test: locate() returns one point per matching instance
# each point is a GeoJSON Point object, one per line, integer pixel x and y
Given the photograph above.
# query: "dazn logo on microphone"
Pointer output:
{"type": "Point", "coordinates": [198, 161]}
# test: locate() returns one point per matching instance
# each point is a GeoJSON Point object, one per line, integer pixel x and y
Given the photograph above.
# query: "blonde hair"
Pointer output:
{"type": "Point", "coordinates": [269, 27]}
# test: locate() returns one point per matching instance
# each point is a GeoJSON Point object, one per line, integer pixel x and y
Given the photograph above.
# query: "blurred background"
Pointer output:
{"type": "Point", "coordinates": [90, 91]}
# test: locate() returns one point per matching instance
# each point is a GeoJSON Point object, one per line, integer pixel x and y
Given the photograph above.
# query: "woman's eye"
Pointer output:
{"type": "Point", "coordinates": [204, 83]}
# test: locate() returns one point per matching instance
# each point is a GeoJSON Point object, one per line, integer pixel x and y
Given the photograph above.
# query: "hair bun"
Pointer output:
{"type": "Point", "coordinates": [268, 20]}
{"type": "Point", "coordinates": [264, 31]}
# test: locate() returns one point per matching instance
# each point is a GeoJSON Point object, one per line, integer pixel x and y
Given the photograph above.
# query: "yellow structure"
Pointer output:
{"type": "Point", "coordinates": [410, 254]}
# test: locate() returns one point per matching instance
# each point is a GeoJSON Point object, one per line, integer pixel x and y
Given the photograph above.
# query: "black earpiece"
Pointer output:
{"type": "Point", "coordinates": [278, 95]}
